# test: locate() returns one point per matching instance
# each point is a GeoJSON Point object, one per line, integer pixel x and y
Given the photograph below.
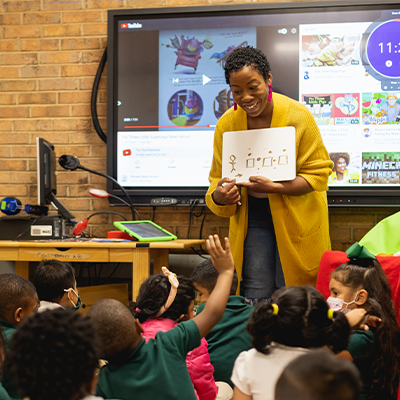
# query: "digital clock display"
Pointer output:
{"type": "Point", "coordinates": [383, 49]}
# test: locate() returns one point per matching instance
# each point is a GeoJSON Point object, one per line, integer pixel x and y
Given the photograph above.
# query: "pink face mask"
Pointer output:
{"type": "Point", "coordinates": [337, 304]}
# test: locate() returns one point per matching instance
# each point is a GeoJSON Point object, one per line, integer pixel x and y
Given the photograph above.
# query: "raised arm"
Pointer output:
{"type": "Point", "coordinates": [216, 303]}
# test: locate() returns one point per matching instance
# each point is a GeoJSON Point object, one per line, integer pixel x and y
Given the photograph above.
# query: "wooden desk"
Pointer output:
{"type": "Point", "coordinates": [137, 253]}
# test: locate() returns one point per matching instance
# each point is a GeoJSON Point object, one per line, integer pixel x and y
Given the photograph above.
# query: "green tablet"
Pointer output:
{"type": "Point", "coordinates": [144, 231]}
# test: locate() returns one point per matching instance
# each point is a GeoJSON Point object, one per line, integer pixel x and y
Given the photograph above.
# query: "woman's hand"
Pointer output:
{"type": "Point", "coordinates": [259, 184]}
{"type": "Point", "coordinates": [227, 192]}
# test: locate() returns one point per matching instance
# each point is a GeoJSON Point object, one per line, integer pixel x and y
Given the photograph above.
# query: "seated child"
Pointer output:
{"type": "Point", "coordinates": [56, 285]}
{"type": "Point", "coordinates": [318, 375]}
{"type": "Point", "coordinates": [157, 369]}
{"type": "Point", "coordinates": [55, 356]}
{"type": "Point", "coordinates": [361, 283]}
{"type": "Point", "coordinates": [284, 328]}
{"type": "Point", "coordinates": [18, 300]}
{"type": "Point", "coordinates": [229, 337]}
{"type": "Point", "coordinates": [153, 294]}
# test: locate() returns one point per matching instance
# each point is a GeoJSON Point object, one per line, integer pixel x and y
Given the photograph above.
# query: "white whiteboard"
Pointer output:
{"type": "Point", "coordinates": [266, 152]}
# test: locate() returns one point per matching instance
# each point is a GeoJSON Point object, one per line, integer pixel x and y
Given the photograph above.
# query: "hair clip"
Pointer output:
{"type": "Point", "coordinates": [275, 309]}
{"type": "Point", "coordinates": [173, 280]}
{"type": "Point", "coordinates": [137, 309]}
{"type": "Point", "coordinates": [330, 313]}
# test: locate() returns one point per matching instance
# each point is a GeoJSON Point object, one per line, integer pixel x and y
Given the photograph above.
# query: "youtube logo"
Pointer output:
{"type": "Point", "coordinates": [124, 26]}
{"type": "Point", "coordinates": [127, 152]}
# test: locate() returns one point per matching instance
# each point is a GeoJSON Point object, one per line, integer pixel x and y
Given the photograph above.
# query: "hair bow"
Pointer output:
{"type": "Point", "coordinates": [173, 280]}
{"type": "Point", "coordinates": [360, 254]}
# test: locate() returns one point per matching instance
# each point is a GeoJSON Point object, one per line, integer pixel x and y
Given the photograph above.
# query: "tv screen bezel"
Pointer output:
{"type": "Point", "coordinates": [337, 196]}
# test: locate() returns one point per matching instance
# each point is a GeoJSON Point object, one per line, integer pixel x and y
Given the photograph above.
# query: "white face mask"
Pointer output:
{"type": "Point", "coordinates": [337, 304]}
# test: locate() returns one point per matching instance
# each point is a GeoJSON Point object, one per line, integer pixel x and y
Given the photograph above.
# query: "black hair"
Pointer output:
{"type": "Point", "coordinates": [54, 355]}
{"type": "Point", "coordinates": [335, 158]}
{"type": "Point", "coordinates": [368, 274]}
{"type": "Point", "coordinates": [247, 56]}
{"type": "Point", "coordinates": [302, 321]}
{"type": "Point", "coordinates": [318, 375]}
{"type": "Point", "coordinates": [51, 278]}
{"type": "Point", "coordinates": [15, 292]}
{"type": "Point", "coordinates": [206, 276]}
{"type": "Point", "coordinates": [153, 294]}
{"type": "Point", "coordinates": [116, 329]}
{"type": "Point", "coordinates": [2, 351]}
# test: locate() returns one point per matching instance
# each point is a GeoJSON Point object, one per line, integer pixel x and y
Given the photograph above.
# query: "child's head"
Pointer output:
{"type": "Point", "coordinates": [318, 375]}
{"type": "Point", "coordinates": [52, 279]}
{"type": "Point", "coordinates": [54, 355]}
{"type": "Point", "coordinates": [18, 298]}
{"type": "Point", "coordinates": [117, 329]}
{"type": "Point", "coordinates": [361, 283]}
{"type": "Point", "coordinates": [298, 317]}
{"type": "Point", "coordinates": [153, 294]}
{"type": "Point", "coordinates": [205, 277]}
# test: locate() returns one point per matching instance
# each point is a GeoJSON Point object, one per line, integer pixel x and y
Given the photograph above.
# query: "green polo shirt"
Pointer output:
{"type": "Point", "coordinates": [229, 337]}
{"type": "Point", "coordinates": [155, 370]}
{"type": "Point", "coordinates": [361, 344]}
{"type": "Point", "coordinates": [7, 381]}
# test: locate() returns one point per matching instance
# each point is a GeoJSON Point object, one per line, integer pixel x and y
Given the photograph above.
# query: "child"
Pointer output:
{"type": "Point", "coordinates": [18, 300]}
{"type": "Point", "coordinates": [361, 283]}
{"type": "Point", "coordinates": [56, 285]}
{"type": "Point", "coordinates": [229, 337]}
{"type": "Point", "coordinates": [157, 369]}
{"type": "Point", "coordinates": [293, 321]}
{"type": "Point", "coordinates": [318, 375]}
{"type": "Point", "coordinates": [55, 355]}
{"type": "Point", "coordinates": [153, 294]}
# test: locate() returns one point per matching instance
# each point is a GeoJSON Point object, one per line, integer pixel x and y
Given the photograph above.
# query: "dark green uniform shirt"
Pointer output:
{"type": "Point", "coordinates": [7, 381]}
{"type": "Point", "coordinates": [155, 370]}
{"type": "Point", "coordinates": [360, 347]}
{"type": "Point", "coordinates": [229, 337]}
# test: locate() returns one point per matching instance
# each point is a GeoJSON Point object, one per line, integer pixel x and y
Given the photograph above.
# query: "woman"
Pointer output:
{"type": "Point", "coordinates": [340, 173]}
{"type": "Point", "coordinates": [274, 226]}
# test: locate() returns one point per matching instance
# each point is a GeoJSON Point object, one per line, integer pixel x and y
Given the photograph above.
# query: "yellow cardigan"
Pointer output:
{"type": "Point", "coordinates": [300, 222]}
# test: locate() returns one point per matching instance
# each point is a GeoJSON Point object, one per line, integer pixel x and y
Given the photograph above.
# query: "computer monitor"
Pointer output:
{"type": "Point", "coordinates": [47, 177]}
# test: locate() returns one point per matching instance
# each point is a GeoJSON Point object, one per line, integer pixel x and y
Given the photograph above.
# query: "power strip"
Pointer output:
{"type": "Point", "coordinates": [163, 201]}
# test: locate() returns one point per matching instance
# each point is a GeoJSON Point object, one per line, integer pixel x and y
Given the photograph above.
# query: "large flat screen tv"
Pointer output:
{"type": "Point", "coordinates": [166, 91]}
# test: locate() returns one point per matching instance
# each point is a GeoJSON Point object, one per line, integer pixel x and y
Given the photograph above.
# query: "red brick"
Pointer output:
{"type": "Point", "coordinates": [58, 84]}
{"type": "Point", "coordinates": [62, 30]}
{"type": "Point", "coordinates": [78, 177]}
{"type": "Point", "coordinates": [87, 83]}
{"type": "Point", "coordinates": [32, 125]}
{"type": "Point", "coordinates": [42, 18]}
{"type": "Point", "coordinates": [24, 177]}
{"type": "Point", "coordinates": [14, 112]}
{"type": "Point", "coordinates": [10, 19]}
{"type": "Point", "coordinates": [40, 71]}
{"type": "Point", "coordinates": [94, 29]}
{"type": "Point", "coordinates": [80, 44]}
{"type": "Point", "coordinates": [50, 111]}
{"type": "Point", "coordinates": [37, 98]}
{"type": "Point", "coordinates": [8, 98]}
{"type": "Point", "coordinates": [13, 165]}
{"type": "Point", "coordinates": [20, 59]}
{"type": "Point", "coordinates": [9, 72]}
{"type": "Point", "coordinates": [8, 45]}
{"type": "Point", "coordinates": [13, 190]}
{"type": "Point", "coordinates": [40, 44]}
{"type": "Point", "coordinates": [21, 32]}
{"type": "Point", "coordinates": [61, 57]}
{"type": "Point", "coordinates": [79, 70]}
{"type": "Point", "coordinates": [15, 138]}
{"type": "Point", "coordinates": [17, 85]}
{"type": "Point", "coordinates": [83, 16]}
{"type": "Point", "coordinates": [92, 56]}
{"type": "Point", "coordinates": [20, 6]}
{"type": "Point", "coordinates": [74, 97]}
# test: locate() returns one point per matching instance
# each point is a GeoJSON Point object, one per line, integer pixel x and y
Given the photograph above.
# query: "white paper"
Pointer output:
{"type": "Point", "coordinates": [265, 152]}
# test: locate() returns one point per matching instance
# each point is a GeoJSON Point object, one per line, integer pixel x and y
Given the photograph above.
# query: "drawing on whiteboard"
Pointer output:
{"type": "Point", "coordinates": [233, 162]}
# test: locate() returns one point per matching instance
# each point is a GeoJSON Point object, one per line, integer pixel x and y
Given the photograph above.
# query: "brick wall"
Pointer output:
{"type": "Point", "coordinates": [49, 54]}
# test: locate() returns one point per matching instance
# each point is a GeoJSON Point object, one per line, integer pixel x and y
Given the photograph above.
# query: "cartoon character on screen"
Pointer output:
{"type": "Point", "coordinates": [391, 108]}
{"type": "Point", "coordinates": [347, 102]}
{"type": "Point", "coordinates": [192, 109]}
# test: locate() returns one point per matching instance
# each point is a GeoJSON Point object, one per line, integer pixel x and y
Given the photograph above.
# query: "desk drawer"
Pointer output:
{"type": "Point", "coordinates": [67, 254]}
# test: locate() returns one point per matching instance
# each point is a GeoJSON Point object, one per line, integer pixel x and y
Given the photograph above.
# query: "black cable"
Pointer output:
{"type": "Point", "coordinates": [154, 213]}
{"type": "Point", "coordinates": [93, 100]}
{"type": "Point", "coordinates": [106, 212]}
